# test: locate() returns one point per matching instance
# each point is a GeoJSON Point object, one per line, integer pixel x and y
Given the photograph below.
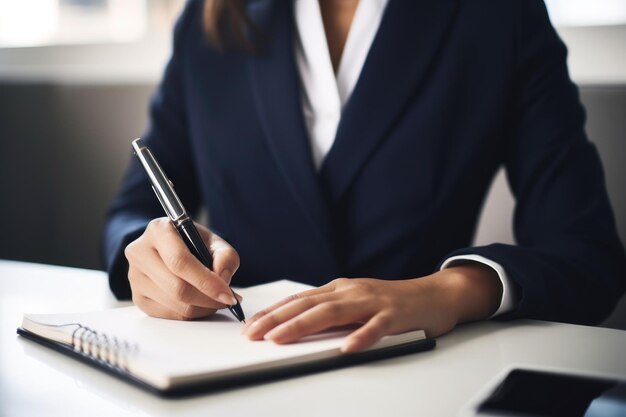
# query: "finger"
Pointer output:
{"type": "Point", "coordinates": [183, 310]}
{"type": "Point", "coordinates": [152, 308]}
{"type": "Point", "coordinates": [317, 319]}
{"type": "Point", "coordinates": [180, 262]}
{"type": "Point", "coordinates": [378, 326]}
{"type": "Point", "coordinates": [156, 309]}
{"type": "Point", "coordinates": [225, 258]}
{"type": "Point", "coordinates": [179, 289]}
{"type": "Point", "coordinates": [295, 297]}
{"type": "Point", "coordinates": [280, 315]}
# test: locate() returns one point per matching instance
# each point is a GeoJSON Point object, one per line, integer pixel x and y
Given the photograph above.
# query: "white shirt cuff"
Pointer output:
{"type": "Point", "coordinates": [508, 300]}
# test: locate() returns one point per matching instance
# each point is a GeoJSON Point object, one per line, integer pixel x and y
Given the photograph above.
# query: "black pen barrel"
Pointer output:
{"type": "Point", "coordinates": [194, 242]}
{"type": "Point", "coordinates": [196, 245]}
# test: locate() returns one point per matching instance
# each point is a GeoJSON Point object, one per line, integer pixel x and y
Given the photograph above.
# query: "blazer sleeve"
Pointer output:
{"type": "Point", "coordinates": [569, 264]}
{"type": "Point", "coordinates": [167, 136]}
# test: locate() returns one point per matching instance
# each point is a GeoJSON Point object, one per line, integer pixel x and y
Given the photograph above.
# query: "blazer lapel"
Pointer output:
{"type": "Point", "coordinates": [276, 87]}
{"type": "Point", "coordinates": [406, 45]}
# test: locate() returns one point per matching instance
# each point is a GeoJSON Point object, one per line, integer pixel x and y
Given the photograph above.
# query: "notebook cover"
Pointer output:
{"type": "Point", "coordinates": [243, 379]}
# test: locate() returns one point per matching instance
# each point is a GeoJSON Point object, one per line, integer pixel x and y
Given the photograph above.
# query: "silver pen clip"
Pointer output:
{"type": "Point", "coordinates": [161, 185]}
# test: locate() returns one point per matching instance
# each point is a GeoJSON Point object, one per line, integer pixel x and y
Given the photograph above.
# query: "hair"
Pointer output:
{"type": "Point", "coordinates": [227, 24]}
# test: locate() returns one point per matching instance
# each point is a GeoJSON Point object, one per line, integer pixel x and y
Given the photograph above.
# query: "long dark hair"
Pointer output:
{"type": "Point", "coordinates": [227, 24]}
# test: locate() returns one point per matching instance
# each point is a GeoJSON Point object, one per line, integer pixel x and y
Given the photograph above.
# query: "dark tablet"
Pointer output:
{"type": "Point", "coordinates": [549, 394]}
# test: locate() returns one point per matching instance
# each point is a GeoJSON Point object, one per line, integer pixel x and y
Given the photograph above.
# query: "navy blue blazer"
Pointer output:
{"type": "Point", "coordinates": [451, 90]}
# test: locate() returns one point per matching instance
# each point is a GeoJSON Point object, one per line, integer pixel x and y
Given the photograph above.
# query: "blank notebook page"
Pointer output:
{"type": "Point", "coordinates": [169, 352]}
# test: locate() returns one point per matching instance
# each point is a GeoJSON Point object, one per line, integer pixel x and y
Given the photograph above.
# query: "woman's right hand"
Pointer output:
{"type": "Point", "coordinates": [168, 281]}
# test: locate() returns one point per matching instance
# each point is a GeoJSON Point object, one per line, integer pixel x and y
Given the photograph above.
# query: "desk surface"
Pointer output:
{"type": "Point", "coordinates": [37, 381]}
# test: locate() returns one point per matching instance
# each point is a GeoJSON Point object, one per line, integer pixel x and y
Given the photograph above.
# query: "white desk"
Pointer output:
{"type": "Point", "coordinates": [36, 381]}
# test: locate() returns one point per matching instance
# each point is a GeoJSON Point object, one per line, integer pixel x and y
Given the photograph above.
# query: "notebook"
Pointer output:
{"type": "Point", "coordinates": [173, 358]}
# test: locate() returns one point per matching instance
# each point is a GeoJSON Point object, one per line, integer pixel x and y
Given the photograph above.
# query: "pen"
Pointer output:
{"type": "Point", "coordinates": [164, 190]}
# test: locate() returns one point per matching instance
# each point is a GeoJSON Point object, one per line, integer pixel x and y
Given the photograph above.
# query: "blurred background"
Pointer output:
{"type": "Point", "coordinates": [76, 77]}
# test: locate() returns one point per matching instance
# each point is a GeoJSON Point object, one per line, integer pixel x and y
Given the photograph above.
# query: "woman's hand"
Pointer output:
{"type": "Point", "coordinates": [168, 281]}
{"type": "Point", "coordinates": [435, 303]}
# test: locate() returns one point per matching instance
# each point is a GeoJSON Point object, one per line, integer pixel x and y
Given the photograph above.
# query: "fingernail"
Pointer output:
{"type": "Point", "coordinates": [251, 330]}
{"type": "Point", "coordinates": [238, 297]}
{"type": "Point", "coordinates": [227, 298]}
{"type": "Point", "coordinates": [348, 346]}
{"type": "Point", "coordinates": [273, 334]}
{"type": "Point", "coordinates": [226, 275]}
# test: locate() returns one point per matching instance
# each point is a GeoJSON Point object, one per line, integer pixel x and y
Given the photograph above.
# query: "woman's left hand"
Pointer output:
{"type": "Point", "coordinates": [435, 304]}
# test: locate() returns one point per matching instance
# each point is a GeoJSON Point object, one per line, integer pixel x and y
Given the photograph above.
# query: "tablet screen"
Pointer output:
{"type": "Point", "coordinates": [536, 393]}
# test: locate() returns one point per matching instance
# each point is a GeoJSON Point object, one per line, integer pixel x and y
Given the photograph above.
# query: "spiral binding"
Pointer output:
{"type": "Point", "coordinates": [102, 348]}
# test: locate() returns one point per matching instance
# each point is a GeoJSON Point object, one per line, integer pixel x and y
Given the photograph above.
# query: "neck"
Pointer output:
{"type": "Point", "coordinates": [337, 16]}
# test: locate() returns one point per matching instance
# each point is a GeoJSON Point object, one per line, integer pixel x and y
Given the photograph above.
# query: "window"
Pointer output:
{"type": "Point", "coordinates": [58, 22]}
{"type": "Point", "coordinates": [587, 12]}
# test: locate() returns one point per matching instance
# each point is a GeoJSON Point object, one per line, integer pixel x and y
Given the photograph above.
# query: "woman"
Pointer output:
{"type": "Point", "coordinates": [357, 139]}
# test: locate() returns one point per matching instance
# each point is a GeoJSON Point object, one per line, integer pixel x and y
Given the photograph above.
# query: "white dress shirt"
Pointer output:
{"type": "Point", "coordinates": [324, 93]}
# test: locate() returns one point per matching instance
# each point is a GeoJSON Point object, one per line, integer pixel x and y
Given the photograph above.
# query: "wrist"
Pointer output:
{"type": "Point", "coordinates": [473, 290]}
